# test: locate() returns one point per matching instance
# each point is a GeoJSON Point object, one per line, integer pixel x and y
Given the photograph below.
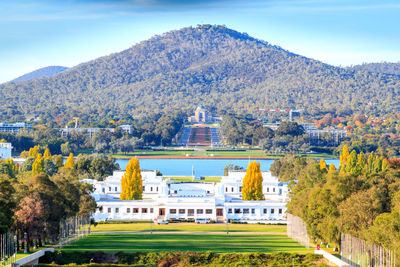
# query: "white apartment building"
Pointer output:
{"type": "Point", "coordinates": [167, 200]}
{"type": "Point", "coordinates": [5, 150]}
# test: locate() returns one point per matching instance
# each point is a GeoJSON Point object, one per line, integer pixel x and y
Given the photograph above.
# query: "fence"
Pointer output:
{"type": "Point", "coordinates": [8, 249]}
{"type": "Point", "coordinates": [357, 252]}
{"type": "Point", "coordinates": [296, 230]}
{"type": "Point", "coordinates": [74, 228]}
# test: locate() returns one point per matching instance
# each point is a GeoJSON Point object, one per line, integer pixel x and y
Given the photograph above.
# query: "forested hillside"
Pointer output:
{"type": "Point", "coordinates": [43, 72]}
{"type": "Point", "coordinates": [384, 67]}
{"type": "Point", "coordinates": [214, 66]}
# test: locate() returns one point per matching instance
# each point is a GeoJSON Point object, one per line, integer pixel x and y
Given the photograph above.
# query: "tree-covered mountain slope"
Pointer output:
{"type": "Point", "coordinates": [212, 66]}
{"type": "Point", "coordinates": [39, 73]}
{"type": "Point", "coordinates": [383, 67]}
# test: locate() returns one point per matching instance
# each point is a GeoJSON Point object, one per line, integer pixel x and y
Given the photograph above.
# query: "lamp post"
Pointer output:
{"type": "Point", "coordinates": [227, 226]}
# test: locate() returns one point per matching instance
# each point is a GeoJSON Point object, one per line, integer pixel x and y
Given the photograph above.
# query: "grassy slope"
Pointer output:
{"type": "Point", "coordinates": [219, 243]}
{"type": "Point", "coordinates": [190, 227]}
{"type": "Point", "coordinates": [203, 153]}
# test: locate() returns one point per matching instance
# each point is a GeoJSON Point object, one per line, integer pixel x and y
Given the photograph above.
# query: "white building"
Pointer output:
{"type": "Point", "coordinates": [163, 199]}
{"type": "Point", "coordinates": [5, 150]}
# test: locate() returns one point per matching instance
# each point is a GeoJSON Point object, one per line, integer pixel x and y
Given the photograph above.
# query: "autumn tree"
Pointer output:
{"type": "Point", "coordinates": [252, 182]}
{"type": "Point", "coordinates": [38, 165]}
{"type": "Point", "coordinates": [131, 183]}
{"type": "Point", "coordinates": [322, 165]}
{"type": "Point", "coordinates": [47, 154]}
{"type": "Point", "coordinates": [70, 163]}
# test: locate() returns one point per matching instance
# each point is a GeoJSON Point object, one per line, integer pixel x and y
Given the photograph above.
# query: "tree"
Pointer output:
{"type": "Point", "coordinates": [131, 183]}
{"type": "Point", "coordinates": [322, 165]}
{"type": "Point", "coordinates": [47, 154]}
{"type": "Point", "coordinates": [289, 128]}
{"type": "Point", "coordinates": [252, 183]}
{"type": "Point", "coordinates": [49, 167]}
{"type": "Point", "coordinates": [38, 165]}
{"type": "Point", "coordinates": [7, 203]}
{"type": "Point", "coordinates": [70, 163]}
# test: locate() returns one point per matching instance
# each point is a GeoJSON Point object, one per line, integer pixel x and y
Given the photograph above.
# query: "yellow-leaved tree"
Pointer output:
{"type": "Point", "coordinates": [70, 163]}
{"type": "Point", "coordinates": [131, 182]}
{"type": "Point", "coordinates": [33, 152]}
{"type": "Point", "coordinates": [38, 165]}
{"type": "Point", "coordinates": [252, 183]}
{"type": "Point", "coordinates": [47, 154]}
{"type": "Point", "coordinates": [322, 165]}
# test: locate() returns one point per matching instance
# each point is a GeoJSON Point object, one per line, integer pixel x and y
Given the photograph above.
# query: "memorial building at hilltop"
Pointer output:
{"type": "Point", "coordinates": [163, 199]}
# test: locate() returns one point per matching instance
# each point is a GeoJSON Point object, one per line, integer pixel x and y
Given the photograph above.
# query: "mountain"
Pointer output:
{"type": "Point", "coordinates": [383, 67]}
{"type": "Point", "coordinates": [43, 72]}
{"type": "Point", "coordinates": [219, 68]}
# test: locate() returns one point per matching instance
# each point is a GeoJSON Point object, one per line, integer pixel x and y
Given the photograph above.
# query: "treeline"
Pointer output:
{"type": "Point", "coordinates": [207, 65]}
{"type": "Point", "coordinates": [289, 137]}
{"type": "Point", "coordinates": [150, 130]}
{"type": "Point", "coordinates": [35, 201]}
{"type": "Point", "coordinates": [360, 198]}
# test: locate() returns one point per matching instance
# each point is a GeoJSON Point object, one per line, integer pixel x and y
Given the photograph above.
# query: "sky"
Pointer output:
{"type": "Point", "coordinates": [40, 33]}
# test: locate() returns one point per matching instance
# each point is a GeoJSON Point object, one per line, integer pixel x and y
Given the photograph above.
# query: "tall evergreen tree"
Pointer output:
{"type": "Point", "coordinates": [131, 183]}
{"type": "Point", "coordinates": [252, 183]}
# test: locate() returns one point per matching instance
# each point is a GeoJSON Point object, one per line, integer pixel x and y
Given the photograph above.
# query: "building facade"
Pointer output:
{"type": "Point", "coordinates": [15, 128]}
{"type": "Point", "coordinates": [5, 150]}
{"type": "Point", "coordinates": [167, 200]}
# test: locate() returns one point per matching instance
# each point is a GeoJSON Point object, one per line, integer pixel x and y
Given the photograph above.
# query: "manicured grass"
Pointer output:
{"type": "Point", "coordinates": [207, 179]}
{"type": "Point", "coordinates": [219, 243]}
{"type": "Point", "coordinates": [189, 227]}
{"type": "Point", "coordinates": [204, 153]}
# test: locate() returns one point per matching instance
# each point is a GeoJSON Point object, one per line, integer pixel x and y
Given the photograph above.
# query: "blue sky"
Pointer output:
{"type": "Point", "coordinates": [35, 34]}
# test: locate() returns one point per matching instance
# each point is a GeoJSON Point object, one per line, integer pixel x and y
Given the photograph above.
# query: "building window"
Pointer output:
{"type": "Point", "coordinates": [232, 189]}
{"type": "Point", "coordinates": [128, 210]}
{"type": "Point", "coordinates": [151, 210]}
{"type": "Point", "coordinates": [144, 210]}
{"type": "Point", "coordinates": [273, 189]}
{"type": "Point", "coordinates": [272, 211]}
{"type": "Point", "coordinates": [240, 189]}
{"type": "Point", "coordinates": [116, 210]}
{"type": "Point", "coordinates": [135, 210]}
{"type": "Point", "coordinates": [144, 188]}
{"type": "Point", "coordinates": [157, 188]}
{"type": "Point", "coordinates": [253, 211]}
{"type": "Point", "coordinates": [190, 212]}
{"type": "Point", "coordinates": [151, 189]}
{"type": "Point", "coordinates": [208, 211]}
{"type": "Point", "coordinates": [246, 211]}
{"type": "Point", "coordinates": [172, 211]}
{"type": "Point", "coordinates": [265, 211]}
{"type": "Point", "coordinates": [104, 190]}
{"type": "Point", "coordinates": [237, 211]}
{"type": "Point", "coordinates": [109, 210]}
{"type": "Point", "coordinates": [208, 192]}
{"type": "Point", "coordinates": [267, 189]}
{"type": "Point", "coordinates": [181, 211]}
{"type": "Point", "coordinates": [226, 189]}
{"type": "Point", "coordinates": [229, 210]}
{"type": "Point", "coordinates": [199, 211]}
{"type": "Point", "coordinates": [175, 192]}
{"type": "Point", "coordinates": [101, 209]}
{"type": "Point", "coordinates": [280, 211]}
{"type": "Point", "coordinates": [109, 189]}
{"type": "Point", "coordinates": [116, 189]}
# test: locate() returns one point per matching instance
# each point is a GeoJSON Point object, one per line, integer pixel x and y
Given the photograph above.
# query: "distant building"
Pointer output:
{"type": "Point", "coordinates": [15, 127]}
{"type": "Point", "coordinates": [90, 131]}
{"type": "Point", "coordinates": [201, 115]}
{"type": "Point", "coordinates": [5, 150]}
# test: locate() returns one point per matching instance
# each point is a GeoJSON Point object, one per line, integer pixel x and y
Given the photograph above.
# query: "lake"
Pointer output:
{"type": "Point", "coordinates": [202, 167]}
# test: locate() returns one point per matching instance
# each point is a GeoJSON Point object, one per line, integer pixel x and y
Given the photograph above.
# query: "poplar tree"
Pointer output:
{"type": "Point", "coordinates": [38, 165]}
{"type": "Point", "coordinates": [252, 183]}
{"type": "Point", "coordinates": [33, 151]}
{"type": "Point", "coordinates": [70, 163]}
{"type": "Point", "coordinates": [322, 165]}
{"type": "Point", "coordinates": [47, 154]}
{"type": "Point", "coordinates": [131, 182]}
{"type": "Point", "coordinates": [332, 168]}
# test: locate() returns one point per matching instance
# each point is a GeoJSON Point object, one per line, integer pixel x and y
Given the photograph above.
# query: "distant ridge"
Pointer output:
{"type": "Point", "coordinates": [210, 65]}
{"type": "Point", "coordinates": [382, 67]}
{"type": "Point", "coordinates": [39, 73]}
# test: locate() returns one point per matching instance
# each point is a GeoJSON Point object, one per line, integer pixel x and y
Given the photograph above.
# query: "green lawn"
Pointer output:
{"type": "Point", "coordinates": [207, 179]}
{"type": "Point", "coordinates": [190, 227]}
{"type": "Point", "coordinates": [219, 243]}
{"type": "Point", "coordinates": [204, 153]}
